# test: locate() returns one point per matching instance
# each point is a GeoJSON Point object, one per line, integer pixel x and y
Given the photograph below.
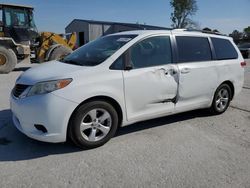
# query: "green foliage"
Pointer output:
{"type": "Point", "coordinates": [241, 36]}
{"type": "Point", "coordinates": [247, 29]}
{"type": "Point", "coordinates": [182, 10]}
{"type": "Point", "coordinates": [247, 33]}
{"type": "Point", "coordinates": [236, 35]}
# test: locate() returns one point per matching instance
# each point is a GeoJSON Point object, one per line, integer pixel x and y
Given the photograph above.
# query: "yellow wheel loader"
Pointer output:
{"type": "Point", "coordinates": [20, 40]}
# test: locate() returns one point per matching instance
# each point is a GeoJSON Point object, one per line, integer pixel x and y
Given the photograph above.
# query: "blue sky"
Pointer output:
{"type": "Point", "coordinates": [55, 15]}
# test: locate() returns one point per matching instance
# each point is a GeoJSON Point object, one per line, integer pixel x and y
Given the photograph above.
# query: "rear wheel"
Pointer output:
{"type": "Point", "coordinates": [93, 124]}
{"type": "Point", "coordinates": [59, 52]}
{"type": "Point", "coordinates": [8, 60]}
{"type": "Point", "coordinates": [222, 98]}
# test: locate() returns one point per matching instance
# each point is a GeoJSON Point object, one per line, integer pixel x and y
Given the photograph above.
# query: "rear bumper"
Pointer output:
{"type": "Point", "coordinates": [51, 111]}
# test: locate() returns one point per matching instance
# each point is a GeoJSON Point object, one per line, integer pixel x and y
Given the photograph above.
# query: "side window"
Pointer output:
{"type": "Point", "coordinates": [224, 49]}
{"type": "Point", "coordinates": [7, 18]}
{"type": "Point", "coordinates": [1, 22]}
{"type": "Point", "coordinates": [1, 15]}
{"type": "Point", "coordinates": [193, 49]}
{"type": "Point", "coordinates": [16, 17]}
{"type": "Point", "coordinates": [19, 18]}
{"type": "Point", "coordinates": [151, 52]}
{"type": "Point", "coordinates": [118, 64]}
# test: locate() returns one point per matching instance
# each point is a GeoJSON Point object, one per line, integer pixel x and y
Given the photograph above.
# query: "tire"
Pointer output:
{"type": "Point", "coordinates": [84, 127]}
{"type": "Point", "coordinates": [8, 60]}
{"type": "Point", "coordinates": [59, 52]}
{"type": "Point", "coordinates": [221, 100]}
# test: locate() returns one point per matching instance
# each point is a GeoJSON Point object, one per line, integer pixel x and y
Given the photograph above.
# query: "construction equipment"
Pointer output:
{"type": "Point", "coordinates": [20, 40]}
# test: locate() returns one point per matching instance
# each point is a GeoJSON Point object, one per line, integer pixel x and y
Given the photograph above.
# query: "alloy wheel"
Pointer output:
{"type": "Point", "coordinates": [95, 125]}
{"type": "Point", "coordinates": [222, 99]}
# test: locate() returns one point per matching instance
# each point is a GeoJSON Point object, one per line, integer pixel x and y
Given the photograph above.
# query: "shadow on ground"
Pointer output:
{"type": "Point", "coordinates": [5, 117]}
{"type": "Point", "coordinates": [14, 146]}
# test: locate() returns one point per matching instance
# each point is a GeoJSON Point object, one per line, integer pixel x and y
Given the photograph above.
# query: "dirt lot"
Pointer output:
{"type": "Point", "coordinates": [191, 149]}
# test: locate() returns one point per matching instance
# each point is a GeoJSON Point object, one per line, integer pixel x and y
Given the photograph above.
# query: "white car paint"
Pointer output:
{"type": "Point", "coordinates": [150, 91]}
{"type": "Point", "coordinates": [137, 91]}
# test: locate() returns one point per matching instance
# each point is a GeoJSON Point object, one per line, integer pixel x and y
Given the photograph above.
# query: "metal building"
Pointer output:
{"type": "Point", "coordinates": [88, 30]}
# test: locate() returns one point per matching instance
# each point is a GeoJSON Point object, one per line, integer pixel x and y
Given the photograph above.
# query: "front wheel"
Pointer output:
{"type": "Point", "coordinates": [222, 98]}
{"type": "Point", "coordinates": [8, 60]}
{"type": "Point", "coordinates": [59, 52]}
{"type": "Point", "coordinates": [93, 124]}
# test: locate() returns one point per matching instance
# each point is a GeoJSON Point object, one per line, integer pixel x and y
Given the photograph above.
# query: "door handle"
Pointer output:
{"type": "Point", "coordinates": [185, 70]}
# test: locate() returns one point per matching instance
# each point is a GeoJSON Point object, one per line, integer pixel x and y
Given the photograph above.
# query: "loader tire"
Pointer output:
{"type": "Point", "coordinates": [8, 60]}
{"type": "Point", "coordinates": [59, 52]}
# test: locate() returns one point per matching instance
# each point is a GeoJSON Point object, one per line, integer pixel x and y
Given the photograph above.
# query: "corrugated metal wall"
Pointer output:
{"type": "Point", "coordinates": [88, 31]}
{"type": "Point", "coordinates": [79, 27]}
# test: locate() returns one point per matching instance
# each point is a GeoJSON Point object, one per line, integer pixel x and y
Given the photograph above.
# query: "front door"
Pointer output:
{"type": "Point", "coordinates": [151, 85]}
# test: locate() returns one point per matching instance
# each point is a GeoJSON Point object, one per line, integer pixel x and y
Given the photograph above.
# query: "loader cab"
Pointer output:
{"type": "Point", "coordinates": [17, 22]}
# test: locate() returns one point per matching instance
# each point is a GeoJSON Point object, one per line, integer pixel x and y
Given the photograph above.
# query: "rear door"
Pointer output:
{"type": "Point", "coordinates": [198, 75]}
{"type": "Point", "coordinates": [150, 85]}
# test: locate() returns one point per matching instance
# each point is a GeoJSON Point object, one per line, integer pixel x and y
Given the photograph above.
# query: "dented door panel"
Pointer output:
{"type": "Point", "coordinates": [150, 91]}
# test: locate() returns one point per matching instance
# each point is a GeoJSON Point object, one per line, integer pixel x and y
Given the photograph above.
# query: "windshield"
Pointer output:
{"type": "Point", "coordinates": [19, 18]}
{"type": "Point", "coordinates": [97, 51]}
{"type": "Point", "coordinates": [244, 45]}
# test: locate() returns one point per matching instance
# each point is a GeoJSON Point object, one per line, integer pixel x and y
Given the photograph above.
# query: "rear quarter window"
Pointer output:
{"type": "Point", "coordinates": [193, 49]}
{"type": "Point", "coordinates": [224, 49]}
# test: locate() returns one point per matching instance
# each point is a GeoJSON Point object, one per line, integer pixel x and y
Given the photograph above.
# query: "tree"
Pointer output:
{"type": "Point", "coordinates": [247, 29]}
{"type": "Point", "coordinates": [207, 29]}
{"type": "Point", "coordinates": [247, 32]}
{"type": "Point", "coordinates": [236, 35]}
{"type": "Point", "coordinates": [183, 9]}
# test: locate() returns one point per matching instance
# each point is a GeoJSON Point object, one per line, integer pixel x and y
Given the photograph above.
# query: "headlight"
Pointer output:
{"type": "Point", "coordinates": [48, 86]}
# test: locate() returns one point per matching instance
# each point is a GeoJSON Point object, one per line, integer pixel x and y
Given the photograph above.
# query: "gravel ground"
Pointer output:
{"type": "Point", "coordinates": [191, 149]}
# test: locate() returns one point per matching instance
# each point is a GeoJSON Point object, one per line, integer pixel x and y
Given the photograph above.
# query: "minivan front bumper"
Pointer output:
{"type": "Point", "coordinates": [48, 110]}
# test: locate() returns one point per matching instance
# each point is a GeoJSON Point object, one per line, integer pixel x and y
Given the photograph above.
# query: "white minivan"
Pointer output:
{"type": "Point", "coordinates": [125, 78]}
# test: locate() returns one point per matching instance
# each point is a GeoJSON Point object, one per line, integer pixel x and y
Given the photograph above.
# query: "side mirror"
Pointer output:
{"type": "Point", "coordinates": [129, 67]}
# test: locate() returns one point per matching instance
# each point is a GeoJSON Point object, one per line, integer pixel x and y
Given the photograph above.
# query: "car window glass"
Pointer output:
{"type": "Point", "coordinates": [1, 21]}
{"type": "Point", "coordinates": [224, 49]}
{"type": "Point", "coordinates": [97, 51]}
{"type": "Point", "coordinates": [193, 49]}
{"type": "Point", "coordinates": [118, 64]}
{"type": "Point", "coordinates": [1, 15]}
{"type": "Point", "coordinates": [7, 19]}
{"type": "Point", "coordinates": [151, 52]}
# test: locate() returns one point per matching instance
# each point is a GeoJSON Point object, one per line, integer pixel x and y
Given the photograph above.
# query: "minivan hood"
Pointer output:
{"type": "Point", "coordinates": [47, 71]}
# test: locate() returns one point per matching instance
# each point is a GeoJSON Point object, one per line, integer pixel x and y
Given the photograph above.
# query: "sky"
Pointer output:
{"type": "Point", "coordinates": [55, 15]}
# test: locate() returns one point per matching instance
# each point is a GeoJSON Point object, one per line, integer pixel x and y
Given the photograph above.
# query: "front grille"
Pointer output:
{"type": "Point", "coordinates": [19, 89]}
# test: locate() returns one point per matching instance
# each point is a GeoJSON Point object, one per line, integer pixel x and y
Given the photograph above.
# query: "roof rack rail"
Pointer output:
{"type": "Point", "coordinates": [201, 31]}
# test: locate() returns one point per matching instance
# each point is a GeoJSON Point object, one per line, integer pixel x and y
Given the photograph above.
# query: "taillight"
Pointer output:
{"type": "Point", "coordinates": [243, 64]}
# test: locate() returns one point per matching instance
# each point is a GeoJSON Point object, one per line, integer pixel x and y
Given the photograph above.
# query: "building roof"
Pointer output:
{"type": "Point", "coordinates": [134, 25]}
{"type": "Point", "coordinates": [15, 5]}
